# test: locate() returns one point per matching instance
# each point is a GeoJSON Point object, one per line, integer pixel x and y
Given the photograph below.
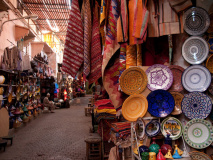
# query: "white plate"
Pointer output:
{"type": "Point", "coordinates": [195, 50]}
{"type": "Point", "coordinates": [196, 78]}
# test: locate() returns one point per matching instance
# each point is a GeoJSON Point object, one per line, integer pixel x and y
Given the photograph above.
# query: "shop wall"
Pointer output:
{"type": "Point", "coordinates": [52, 63]}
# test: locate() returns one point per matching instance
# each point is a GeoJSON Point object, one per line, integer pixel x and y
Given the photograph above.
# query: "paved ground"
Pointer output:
{"type": "Point", "coordinates": [58, 135]}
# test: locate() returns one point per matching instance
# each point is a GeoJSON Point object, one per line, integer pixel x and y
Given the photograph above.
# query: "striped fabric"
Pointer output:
{"type": "Point", "coordinates": [131, 56]}
{"type": "Point", "coordinates": [73, 49]}
{"type": "Point", "coordinates": [96, 52]}
{"type": "Point", "coordinates": [122, 59]}
{"type": "Point", "coordinates": [139, 54]}
{"type": "Point", "coordinates": [87, 37]}
{"type": "Point", "coordinates": [180, 5]}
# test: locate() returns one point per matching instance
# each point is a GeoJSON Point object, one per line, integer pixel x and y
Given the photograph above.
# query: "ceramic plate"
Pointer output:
{"type": "Point", "coordinates": [178, 97]}
{"type": "Point", "coordinates": [177, 71]}
{"type": "Point", "coordinates": [195, 50]}
{"type": "Point", "coordinates": [139, 128]}
{"type": "Point", "coordinates": [152, 128]}
{"type": "Point", "coordinates": [197, 21]}
{"type": "Point", "coordinates": [172, 126]}
{"type": "Point", "coordinates": [209, 63]}
{"type": "Point", "coordinates": [134, 106]}
{"type": "Point", "coordinates": [161, 103]}
{"type": "Point", "coordinates": [159, 77]}
{"type": "Point", "coordinates": [196, 78]}
{"type": "Point", "coordinates": [133, 80]}
{"type": "Point", "coordinates": [196, 105]}
{"type": "Point", "coordinates": [195, 155]}
{"type": "Point", "coordinates": [198, 133]}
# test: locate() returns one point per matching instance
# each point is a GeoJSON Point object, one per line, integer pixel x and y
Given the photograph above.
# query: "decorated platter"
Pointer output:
{"type": "Point", "coordinates": [195, 50]}
{"type": "Point", "coordinates": [198, 133]}
{"type": "Point", "coordinates": [152, 128]}
{"type": "Point", "coordinates": [178, 97]}
{"type": "Point", "coordinates": [133, 81]}
{"type": "Point", "coordinates": [197, 21]}
{"type": "Point", "coordinates": [139, 128]}
{"type": "Point", "coordinates": [195, 155]}
{"type": "Point", "coordinates": [177, 71]}
{"type": "Point", "coordinates": [161, 103]}
{"type": "Point", "coordinates": [196, 78]}
{"type": "Point", "coordinates": [159, 77]}
{"type": "Point", "coordinates": [172, 126]}
{"type": "Point", "coordinates": [209, 63]}
{"type": "Point", "coordinates": [134, 106]}
{"type": "Point", "coordinates": [196, 105]}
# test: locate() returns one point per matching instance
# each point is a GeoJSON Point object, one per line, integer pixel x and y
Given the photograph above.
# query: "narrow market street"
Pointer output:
{"type": "Point", "coordinates": [58, 136]}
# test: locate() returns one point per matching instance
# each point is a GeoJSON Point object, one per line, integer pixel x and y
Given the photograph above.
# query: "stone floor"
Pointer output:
{"type": "Point", "coordinates": [58, 135]}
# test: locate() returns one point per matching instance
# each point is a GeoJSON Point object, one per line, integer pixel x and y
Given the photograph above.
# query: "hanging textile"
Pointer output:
{"type": "Point", "coordinates": [111, 75]}
{"type": "Point", "coordinates": [122, 59]}
{"type": "Point", "coordinates": [87, 37]}
{"type": "Point", "coordinates": [96, 52]}
{"type": "Point", "coordinates": [73, 50]}
{"type": "Point", "coordinates": [103, 15]}
{"type": "Point", "coordinates": [139, 54]}
{"type": "Point", "coordinates": [122, 24]}
{"type": "Point", "coordinates": [82, 11]}
{"type": "Point", "coordinates": [163, 19]}
{"type": "Point", "coordinates": [131, 56]}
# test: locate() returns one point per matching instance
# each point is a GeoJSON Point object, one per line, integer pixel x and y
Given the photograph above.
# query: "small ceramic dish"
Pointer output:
{"type": "Point", "coordinates": [152, 128]}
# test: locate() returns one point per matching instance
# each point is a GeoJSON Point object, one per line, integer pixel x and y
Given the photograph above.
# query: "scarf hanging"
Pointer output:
{"type": "Point", "coordinates": [131, 56]}
{"type": "Point", "coordinates": [73, 49]}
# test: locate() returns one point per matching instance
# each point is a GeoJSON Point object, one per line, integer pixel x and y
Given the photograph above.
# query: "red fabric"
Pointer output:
{"type": "Point", "coordinates": [73, 49]}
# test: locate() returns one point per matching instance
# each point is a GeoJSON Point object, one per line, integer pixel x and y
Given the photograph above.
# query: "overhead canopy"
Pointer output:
{"type": "Point", "coordinates": [20, 32]}
{"type": "Point", "coordinates": [37, 47]}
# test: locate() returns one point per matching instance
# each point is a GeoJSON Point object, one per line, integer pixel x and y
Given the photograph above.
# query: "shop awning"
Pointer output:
{"type": "Point", "coordinates": [21, 32]}
{"type": "Point", "coordinates": [37, 47]}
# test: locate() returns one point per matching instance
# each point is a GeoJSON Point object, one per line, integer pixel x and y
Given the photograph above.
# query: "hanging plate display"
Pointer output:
{"type": "Point", "coordinates": [198, 133]}
{"type": "Point", "coordinates": [133, 80]}
{"type": "Point", "coordinates": [172, 126]}
{"type": "Point", "coordinates": [161, 103]}
{"type": "Point", "coordinates": [195, 50]}
{"type": "Point", "coordinates": [152, 128]}
{"type": "Point", "coordinates": [195, 155]}
{"type": "Point", "coordinates": [139, 128]}
{"type": "Point", "coordinates": [196, 105]}
{"type": "Point", "coordinates": [159, 77]}
{"type": "Point", "coordinates": [197, 21]}
{"type": "Point", "coordinates": [134, 106]}
{"type": "Point", "coordinates": [196, 78]}
{"type": "Point", "coordinates": [176, 85]}
{"type": "Point", "coordinates": [209, 63]}
{"type": "Point", "coordinates": [178, 99]}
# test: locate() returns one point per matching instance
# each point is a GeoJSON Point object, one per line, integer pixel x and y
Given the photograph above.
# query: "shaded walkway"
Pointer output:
{"type": "Point", "coordinates": [58, 135]}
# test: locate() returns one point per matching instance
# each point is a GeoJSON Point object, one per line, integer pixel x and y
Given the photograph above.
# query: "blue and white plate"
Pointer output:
{"type": "Point", "coordinates": [152, 128]}
{"type": "Point", "coordinates": [160, 103]}
{"type": "Point", "coordinates": [196, 105]}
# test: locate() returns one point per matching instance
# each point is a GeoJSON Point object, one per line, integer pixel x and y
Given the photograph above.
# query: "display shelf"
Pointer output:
{"type": "Point", "coordinates": [10, 72]}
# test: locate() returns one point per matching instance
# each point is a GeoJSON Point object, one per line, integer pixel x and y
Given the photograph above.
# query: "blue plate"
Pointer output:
{"type": "Point", "coordinates": [160, 103]}
{"type": "Point", "coordinates": [196, 105]}
{"type": "Point", "coordinates": [152, 128]}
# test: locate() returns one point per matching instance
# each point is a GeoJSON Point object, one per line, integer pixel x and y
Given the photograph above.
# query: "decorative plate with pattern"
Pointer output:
{"type": "Point", "coordinates": [176, 85]}
{"type": "Point", "coordinates": [160, 103]}
{"type": "Point", "coordinates": [197, 21]}
{"type": "Point", "coordinates": [140, 128]}
{"type": "Point", "coordinates": [209, 63]}
{"type": "Point", "coordinates": [178, 97]}
{"type": "Point", "coordinates": [152, 128]}
{"type": "Point", "coordinates": [159, 77]}
{"type": "Point", "coordinates": [172, 126]}
{"type": "Point", "coordinates": [133, 80]}
{"type": "Point", "coordinates": [196, 78]}
{"type": "Point", "coordinates": [198, 133]}
{"type": "Point", "coordinates": [195, 50]}
{"type": "Point", "coordinates": [195, 155]}
{"type": "Point", "coordinates": [134, 106]}
{"type": "Point", "coordinates": [196, 105]}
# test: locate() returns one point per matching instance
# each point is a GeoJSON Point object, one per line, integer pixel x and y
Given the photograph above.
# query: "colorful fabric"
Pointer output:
{"type": "Point", "coordinates": [139, 55]}
{"type": "Point", "coordinates": [103, 11]}
{"type": "Point", "coordinates": [96, 52]}
{"type": "Point", "coordinates": [105, 127]}
{"type": "Point", "coordinates": [110, 111]}
{"type": "Point", "coordinates": [122, 128]}
{"type": "Point", "coordinates": [131, 56]}
{"type": "Point", "coordinates": [101, 116]}
{"type": "Point", "coordinates": [103, 15]}
{"type": "Point", "coordinates": [122, 59]}
{"type": "Point", "coordinates": [122, 24]}
{"type": "Point", "coordinates": [103, 102]}
{"type": "Point", "coordinates": [87, 37]}
{"type": "Point", "coordinates": [73, 49]}
{"type": "Point", "coordinates": [111, 74]}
